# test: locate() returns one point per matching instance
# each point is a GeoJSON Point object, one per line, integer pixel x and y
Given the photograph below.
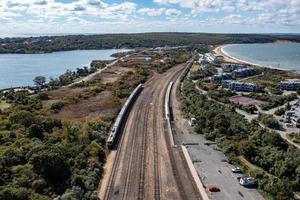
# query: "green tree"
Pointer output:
{"type": "Point", "coordinates": [39, 81]}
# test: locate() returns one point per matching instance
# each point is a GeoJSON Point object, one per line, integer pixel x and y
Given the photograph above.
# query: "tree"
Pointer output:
{"type": "Point", "coordinates": [35, 131]}
{"type": "Point", "coordinates": [39, 81]}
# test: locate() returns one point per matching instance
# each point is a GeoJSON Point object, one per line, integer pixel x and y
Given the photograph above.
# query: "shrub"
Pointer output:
{"type": "Point", "coordinates": [42, 96]}
{"type": "Point", "coordinates": [57, 105]}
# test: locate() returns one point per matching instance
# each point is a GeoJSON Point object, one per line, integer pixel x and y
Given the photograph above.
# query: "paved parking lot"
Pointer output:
{"type": "Point", "coordinates": [210, 165]}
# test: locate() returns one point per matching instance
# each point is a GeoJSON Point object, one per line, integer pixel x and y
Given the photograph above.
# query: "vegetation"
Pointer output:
{"type": "Point", "coordinates": [70, 76]}
{"type": "Point", "coordinates": [108, 41]}
{"type": "Point", "coordinates": [43, 158]}
{"type": "Point", "coordinates": [295, 137]}
{"type": "Point", "coordinates": [3, 105]}
{"type": "Point", "coordinates": [273, 101]}
{"type": "Point", "coordinates": [280, 111]}
{"type": "Point", "coordinates": [198, 72]}
{"type": "Point", "coordinates": [270, 78]}
{"type": "Point", "coordinates": [39, 81]}
{"type": "Point", "coordinates": [269, 121]}
{"type": "Point", "coordinates": [207, 85]}
{"type": "Point", "coordinates": [221, 95]}
{"type": "Point", "coordinates": [279, 162]}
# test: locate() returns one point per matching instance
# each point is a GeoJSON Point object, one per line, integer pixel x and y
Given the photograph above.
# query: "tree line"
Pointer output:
{"type": "Point", "coordinates": [108, 41]}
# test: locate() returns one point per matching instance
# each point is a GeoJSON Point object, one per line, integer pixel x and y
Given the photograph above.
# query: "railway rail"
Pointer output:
{"type": "Point", "coordinates": [145, 163]}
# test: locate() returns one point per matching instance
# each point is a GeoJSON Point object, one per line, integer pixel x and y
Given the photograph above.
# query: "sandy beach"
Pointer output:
{"type": "Point", "coordinates": [219, 50]}
{"type": "Point", "coordinates": [228, 58]}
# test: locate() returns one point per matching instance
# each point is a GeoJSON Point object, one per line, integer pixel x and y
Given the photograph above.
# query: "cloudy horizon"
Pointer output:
{"type": "Point", "coordinates": [132, 16]}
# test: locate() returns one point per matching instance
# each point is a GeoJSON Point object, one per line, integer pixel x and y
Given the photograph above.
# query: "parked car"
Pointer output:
{"type": "Point", "coordinates": [214, 189]}
{"type": "Point", "coordinates": [236, 170]}
{"type": "Point", "coordinates": [248, 181]}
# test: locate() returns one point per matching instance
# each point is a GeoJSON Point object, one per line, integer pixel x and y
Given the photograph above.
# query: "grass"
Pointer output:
{"type": "Point", "coordinates": [196, 68]}
{"type": "Point", "coordinates": [295, 137]}
{"type": "Point", "coordinates": [249, 164]}
{"type": "Point", "coordinates": [4, 105]}
{"type": "Point", "coordinates": [271, 77]}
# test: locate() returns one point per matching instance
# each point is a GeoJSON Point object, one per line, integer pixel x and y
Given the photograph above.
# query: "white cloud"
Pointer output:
{"type": "Point", "coordinates": [151, 11]}
{"type": "Point", "coordinates": [173, 12]}
{"type": "Point", "coordinates": [129, 15]}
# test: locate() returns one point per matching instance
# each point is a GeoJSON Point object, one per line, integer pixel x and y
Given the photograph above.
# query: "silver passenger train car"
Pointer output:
{"type": "Point", "coordinates": [115, 130]}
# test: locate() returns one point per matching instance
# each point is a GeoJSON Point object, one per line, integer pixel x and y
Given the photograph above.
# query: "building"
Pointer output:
{"type": "Point", "coordinates": [221, 77]}
{"type": "Point", "coordinates": [213, 58]}
{"type": "Point", "coordinates": [240, 86]}
{"type": "Point", "coordinates": [293, 116]}
{"type": "Point", "coordinates": [244, 72]}
{"type": "Point", "coordinates": [289, 85]}
{"type": "Point", "coordinates": [232, 66]}
{"type": "Point", "coordinates": [202, 61]}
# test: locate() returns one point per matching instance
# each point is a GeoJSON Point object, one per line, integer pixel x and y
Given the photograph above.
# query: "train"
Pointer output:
{"type": "Point", "coordinates": [121, 118]}
{"type": "Point", "coordinates": [168, 106]}
{"type": "Point", "coordinates": [168, 112]}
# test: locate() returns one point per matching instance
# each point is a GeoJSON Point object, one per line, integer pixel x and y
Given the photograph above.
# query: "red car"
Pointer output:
{"type": "Point", "coordinates": [214, 189]}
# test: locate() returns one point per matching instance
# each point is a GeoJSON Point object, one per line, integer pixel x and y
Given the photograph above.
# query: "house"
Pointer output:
{"type": "Point", "coordinates": [202, 61]}
{"type": "Point", "coordinates": [289, 85]}
{"type": "Point", "coordinates": [293, 116]}
{"type": "Point", "coordinates": [221, 77]}
{"type": "Point", "coordinates": [239, 86]}
{"type": "Point", "coordinates": [232, 66]}
{"type": "Point", "coordinates": [213, 58]}
{"type": "Point", "coordinates": [244, 72]}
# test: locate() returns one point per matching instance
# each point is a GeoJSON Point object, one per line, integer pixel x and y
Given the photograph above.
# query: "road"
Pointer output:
{"type": "Point", "coordinates": [146, 166]}
{"type": "Point", "coordinates": [91, 76]}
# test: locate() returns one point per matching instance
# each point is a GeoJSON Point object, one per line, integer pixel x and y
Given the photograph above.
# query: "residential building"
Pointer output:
{"type": "Point", "coordinates": [213, 58]}
{"type": "Point", "coordinates": [239, 86]}
{"type": "Point", "coordinates": [232, 66]}
{"type": "Point", "coordinates": [293, 116]}
{"type": "Point", "coordinates": [244, 72]}
{"type": "Point", "coordinates": [289, 85]}
{"type": "Point", "coordinates": [221, 77]}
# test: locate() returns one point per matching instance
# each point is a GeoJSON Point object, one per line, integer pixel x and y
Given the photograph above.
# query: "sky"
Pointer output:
{"type": "Point", "coordinates": [40, 17]}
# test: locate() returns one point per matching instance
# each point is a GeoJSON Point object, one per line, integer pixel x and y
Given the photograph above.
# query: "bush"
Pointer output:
{"type": "Point", "coordinates": [269, 121]}
{"type": "Point", "coordinates": [280, 112]}
{"type": "Point", "coordinates": [57, 105]}
{"type": "Point", "coordinates": [42, 96]}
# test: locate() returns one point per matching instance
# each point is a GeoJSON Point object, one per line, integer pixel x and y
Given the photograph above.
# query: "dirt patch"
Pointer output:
{"type": "Point", "coordinates": [65, 93]}
{"type": "Point", "coordinates": [112, 74]}
{"type": "Point", "coordinates": [103, 105]}
{"type": "Point", "coordinates": [245, 101]}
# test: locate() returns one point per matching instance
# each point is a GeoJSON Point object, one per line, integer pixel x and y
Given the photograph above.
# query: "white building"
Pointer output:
{"type": "Point", "coordinates": [293, 116]}
{"type": "Point", "coordinates": [289, 85]}
{"type": "Point", "coordinates": [212, 58]}
{"type": "Point", "coordinates": [239, 86]}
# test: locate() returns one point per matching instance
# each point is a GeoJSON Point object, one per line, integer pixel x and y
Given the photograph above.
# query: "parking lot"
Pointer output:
{"type": "Point", "coordinates": [214, 170]}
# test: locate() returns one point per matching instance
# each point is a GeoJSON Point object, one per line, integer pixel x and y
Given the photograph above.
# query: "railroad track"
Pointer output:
{"type": "Point", "coordinates": [130, 158]}
{"type": "Point", "coordinates": [175, 170]}
{"type": "Point", "coordinates": [131, 174]}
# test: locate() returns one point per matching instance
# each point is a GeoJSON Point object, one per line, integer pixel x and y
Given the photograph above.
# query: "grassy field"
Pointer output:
{"type": "Point", "coordinates": [196, 68]}
{"type": "Point", "coordinates": [271, 77]}
{"type": "Point", "coordinates": [3, 105]}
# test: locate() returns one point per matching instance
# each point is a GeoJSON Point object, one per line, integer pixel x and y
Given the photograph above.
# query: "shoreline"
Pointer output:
{"type": "Point", "coordinates": [219, 50]}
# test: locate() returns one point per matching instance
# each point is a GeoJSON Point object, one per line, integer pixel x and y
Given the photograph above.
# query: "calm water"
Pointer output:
{"type": "Point", "coordinates": [20, 69]}
{"type": "Point", "coordinates": [285, 56]}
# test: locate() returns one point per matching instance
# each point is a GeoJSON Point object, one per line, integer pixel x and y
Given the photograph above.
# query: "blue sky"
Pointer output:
{"type": "Point", "coordinates": [116, 16]}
